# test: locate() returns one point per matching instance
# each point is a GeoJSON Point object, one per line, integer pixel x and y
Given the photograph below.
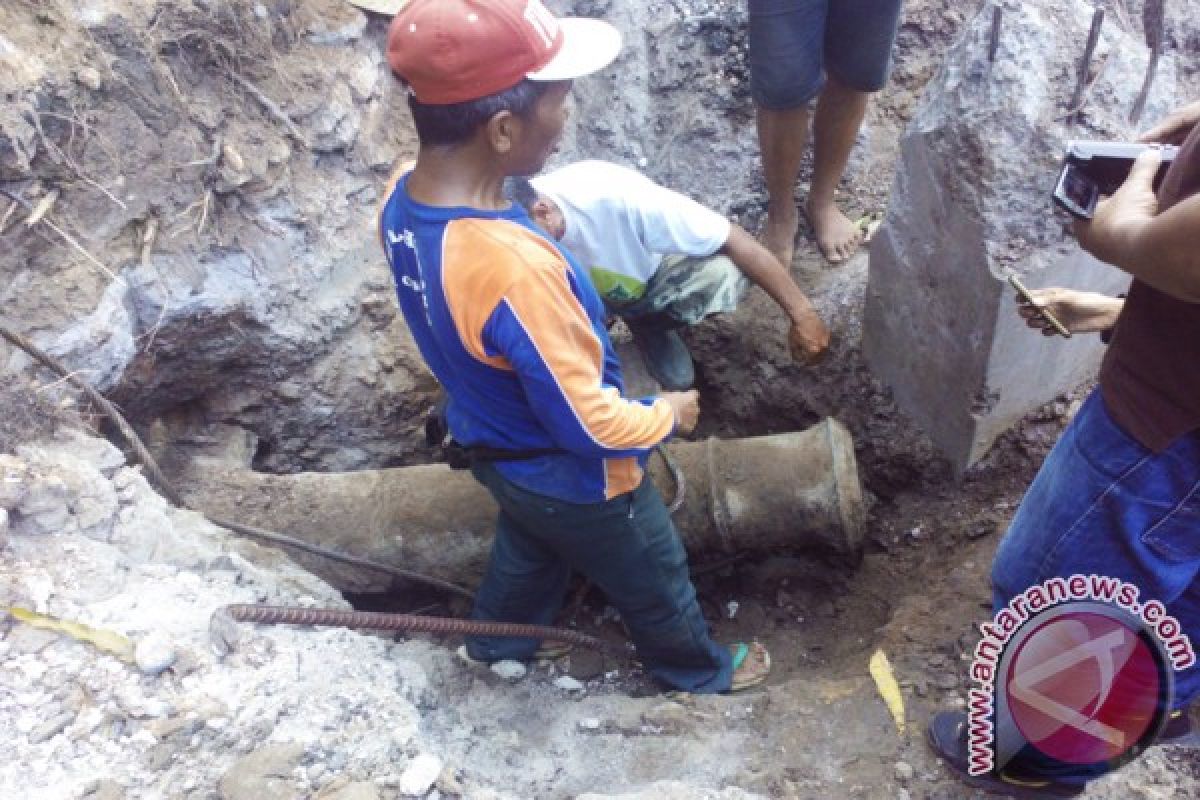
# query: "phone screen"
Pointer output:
{"type": "Point", "coordinates": [1076, 192]}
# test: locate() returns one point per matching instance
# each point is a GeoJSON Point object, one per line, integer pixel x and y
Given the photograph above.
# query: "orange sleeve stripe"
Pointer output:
{"type": "Point", "coordinates": [560, 330]}
{"type": "Point", "coordinates": [476, 272]}
{"type": "Point", "coordinates": [486, 262]}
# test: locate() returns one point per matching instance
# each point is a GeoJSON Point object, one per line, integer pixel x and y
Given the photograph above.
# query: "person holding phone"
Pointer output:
{"type": "Point", "coordinates": [1119, 495]}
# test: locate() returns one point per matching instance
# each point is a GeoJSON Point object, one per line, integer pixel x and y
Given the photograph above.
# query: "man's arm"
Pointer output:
{"type": "Point", "coordinates": [1128, 232]}
{"type": "Point", "coordinates": [545, 336]}
{"type": "Point", "coordinates": [808, 337]}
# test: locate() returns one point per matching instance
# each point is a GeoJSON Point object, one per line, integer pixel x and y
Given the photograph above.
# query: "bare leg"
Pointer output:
{"type": "Point", "coordinates": [782, 137]}
{"type": "Point", "coordinates": [839, 115]}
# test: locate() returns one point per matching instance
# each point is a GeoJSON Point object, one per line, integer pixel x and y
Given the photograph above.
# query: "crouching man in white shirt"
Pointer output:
{"type": "Point", "coordinates": [662, 261]}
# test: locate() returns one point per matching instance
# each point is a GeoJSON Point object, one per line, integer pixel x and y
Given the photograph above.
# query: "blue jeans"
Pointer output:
{"type": "Point", "coordinates": [1104, 504]}
{"type": "Point", "coordinates": [628, 547]}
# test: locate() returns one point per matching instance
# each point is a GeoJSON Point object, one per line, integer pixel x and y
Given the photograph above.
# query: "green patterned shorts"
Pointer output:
{"type": "Point", "coordinates": [687, 289]}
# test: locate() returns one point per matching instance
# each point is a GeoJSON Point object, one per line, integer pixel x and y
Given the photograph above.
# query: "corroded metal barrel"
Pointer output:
{"type": "Point", "coordinates": [785, 491]}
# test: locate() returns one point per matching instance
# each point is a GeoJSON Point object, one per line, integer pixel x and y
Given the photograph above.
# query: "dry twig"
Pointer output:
{"type": "Point", "coordinates": [66, 237]}
{"type": "Point", "coordinates": [271, 108]}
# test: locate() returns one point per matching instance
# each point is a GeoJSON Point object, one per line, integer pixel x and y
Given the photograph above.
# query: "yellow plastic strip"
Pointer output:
{"type": "Point", "coordinates": [108, 641]}
{"type": "Point", "coordinates": [889, 690]}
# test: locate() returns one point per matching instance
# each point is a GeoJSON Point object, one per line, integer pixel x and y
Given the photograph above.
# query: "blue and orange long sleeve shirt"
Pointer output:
{"type": "Point", "coordinates": [514, 330]}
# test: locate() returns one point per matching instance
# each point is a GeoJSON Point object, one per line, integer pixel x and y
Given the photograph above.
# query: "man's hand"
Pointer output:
{"type": "Point", "coordinates": [1111, 232]}
{"type": "Point", "coordinates": [808, 338]}
{"type": "Point", "coordinates": [1079, 312]}
{"type": "Point", "coordinates": [1175, 127]}
{"type": "Point", "coordinates": [686, 406]}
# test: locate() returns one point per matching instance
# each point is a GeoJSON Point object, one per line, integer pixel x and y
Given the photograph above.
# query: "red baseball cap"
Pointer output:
{"type": "Point", "coordinates": [452, 51]}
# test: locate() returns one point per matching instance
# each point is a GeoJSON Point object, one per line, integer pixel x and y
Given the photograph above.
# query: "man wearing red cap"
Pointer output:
{"type": "Point", "coordinates": [514, 331]}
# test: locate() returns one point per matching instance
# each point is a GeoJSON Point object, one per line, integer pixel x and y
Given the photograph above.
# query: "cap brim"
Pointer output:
{"type": "Point", "coordinates": [588, 45]}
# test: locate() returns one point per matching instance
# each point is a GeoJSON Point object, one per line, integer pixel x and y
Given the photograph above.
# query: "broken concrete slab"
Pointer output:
{"type": "Point", "coordinates": [971, 205]}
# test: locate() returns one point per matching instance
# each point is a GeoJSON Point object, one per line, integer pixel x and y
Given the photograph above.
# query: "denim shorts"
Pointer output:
{"type": "Point", "coordinates": [795, 43]}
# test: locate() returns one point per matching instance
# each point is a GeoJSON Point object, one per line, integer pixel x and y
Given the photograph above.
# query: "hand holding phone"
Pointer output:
{"type": "Point", "coordinates": [1027, 300]}
{"type": "Point", "coordinates": [1093, 169]}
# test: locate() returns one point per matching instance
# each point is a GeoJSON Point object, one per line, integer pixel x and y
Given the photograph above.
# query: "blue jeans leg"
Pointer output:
{"type": "Point", "coordinates": [525, 582]}
{"type": "Point", "coordinates": [628, 547]}
{"type": "Point", "coordinates": [1104, 504]}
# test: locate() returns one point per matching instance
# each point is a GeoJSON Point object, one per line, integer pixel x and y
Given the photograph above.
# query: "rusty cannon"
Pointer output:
{"type": "Point", "coordinates": [789, 491]}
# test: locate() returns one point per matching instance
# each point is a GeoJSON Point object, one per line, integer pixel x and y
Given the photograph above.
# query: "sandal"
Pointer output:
{"type": "Point", "coordinates": [749, 671]}
{"type": "Point", "coordinates": [947, 737]}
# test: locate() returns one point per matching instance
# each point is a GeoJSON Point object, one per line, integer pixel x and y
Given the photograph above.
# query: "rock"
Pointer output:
{"type": "Point", "coordinates": [904, 772]}
{"type": "Point", "coordinates": [448, 782]}
{"type": "Point", "coordinates": [940, 327]}
{"type": "Point", "coordinates": [676, 790]}
{"type": "Point", "coordinates": [70, 444]}
{"type": "Point", "coordinates": [138, 706]}
{"type": "Point", "coordinates": [88, 77]}
{"type": "Point", "coordinates": [946, 681]}
{"type": "Point", "coordinates": [3, 528]}
{"type": "Point", "coordinates": [18, 140]}
{"type": "Point", "coordinates": [670, 718]}
{"type": "Point", "coordinates": [177, 725]}
{"type": "Point", "coordinates": [420, 775]}
{"type": "Point", "coordinates": [265, 774]}
{"type": "Point", "coordinates": [43, 510]}
{"type": "Point", "coordinates": [356, 790]}
{"type": "Point", "coordinates": [14, 480]}
{"type": "Point", "coordinates": [104, 790]}
{"type": "Point", "coordinates": [568, 684]}
{"type": "Point", "coordinates": [67, 492]}
{"type": "Point", "coordinates": [336, 123]}
{"type": "Point", "coordinates": [589, 724]}
{"type": "Point", "coordinates": [331, 22]}
{"type": "Point", "coordinates": [154, 653]}
{"type": "Point", "coordinates": [53, 726]}
{"type": "Point", "coordinates": [31, 641]}
{"type": "Point", "coordinates": [509, 670]}
{"type": "Point", "coordinates": [586, 664]}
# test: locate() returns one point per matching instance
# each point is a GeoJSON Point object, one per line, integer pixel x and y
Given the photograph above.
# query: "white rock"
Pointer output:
{"type": "Point", "coordinates": [154, 653]}
{"type": "Point", "coordinates": [420, 775]}
{"type": "Point", "coordinates": [14, 480]}
{"type": "Point", "coordinates": [589, 724]}
{"type": "Point", "coordinates": [568, 684]}
{"type": "Point", "coordinates": [509, 670]}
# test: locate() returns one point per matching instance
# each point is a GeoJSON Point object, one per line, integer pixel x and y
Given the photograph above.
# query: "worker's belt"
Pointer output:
{"type": "Point", "coordinates": [460, 456]}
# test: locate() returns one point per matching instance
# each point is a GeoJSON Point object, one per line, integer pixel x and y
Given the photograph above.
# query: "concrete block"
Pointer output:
{"type": "Point", "coordinates": [971, 205]}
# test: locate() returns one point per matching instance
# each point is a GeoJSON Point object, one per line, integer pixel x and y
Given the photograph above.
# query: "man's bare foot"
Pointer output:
{"type": "Point", "coordinates": [779, 235]}
{"type": "Point", "coordinates": [837, 236]}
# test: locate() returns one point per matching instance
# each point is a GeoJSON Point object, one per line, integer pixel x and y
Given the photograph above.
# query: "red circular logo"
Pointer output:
{"type": "Point", "coordinates": [1085, 687]}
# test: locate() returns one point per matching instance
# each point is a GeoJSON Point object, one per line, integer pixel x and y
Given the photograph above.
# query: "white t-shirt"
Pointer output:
{"type": "Point", "coordinates": [620, 224]}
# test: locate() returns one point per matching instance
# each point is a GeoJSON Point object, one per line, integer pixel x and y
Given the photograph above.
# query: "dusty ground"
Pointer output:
{"type": "Point", "coordinates": [134, 99]}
